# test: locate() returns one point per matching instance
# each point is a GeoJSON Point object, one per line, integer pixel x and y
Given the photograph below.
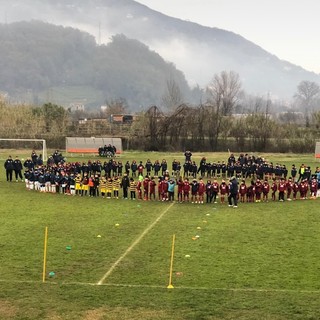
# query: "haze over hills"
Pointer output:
{"type": "Point", "coordinates": [57, 63]}
{"type": "Point", "coordinates": [198, 51]}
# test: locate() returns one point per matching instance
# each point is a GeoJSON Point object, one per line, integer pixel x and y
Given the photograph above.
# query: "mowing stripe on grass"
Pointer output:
{"type": "Point", "coordinates": [107, 274]}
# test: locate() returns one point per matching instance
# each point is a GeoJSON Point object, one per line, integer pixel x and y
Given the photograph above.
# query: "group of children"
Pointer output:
{"type": "Point", "coordinates": [281, 190]}
{"type": "Point", "coordinates": [167, 188]}
{"type": "Point", "coordinates": [137, 181]}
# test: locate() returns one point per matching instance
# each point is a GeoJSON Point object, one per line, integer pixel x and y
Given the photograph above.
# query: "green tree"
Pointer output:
{"type": "Point", "coordinates": [55, 117]}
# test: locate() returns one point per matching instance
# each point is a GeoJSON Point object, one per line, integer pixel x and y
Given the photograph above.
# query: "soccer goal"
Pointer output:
{"type": "Point", "coordinates": [22, 147]}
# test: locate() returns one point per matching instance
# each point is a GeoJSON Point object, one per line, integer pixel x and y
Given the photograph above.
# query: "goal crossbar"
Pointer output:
{"type": "Point", "coordinates": [44, 146]}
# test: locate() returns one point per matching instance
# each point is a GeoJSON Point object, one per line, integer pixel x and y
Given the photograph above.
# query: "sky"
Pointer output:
{"type": "Point", "coordinates": [289, 29]}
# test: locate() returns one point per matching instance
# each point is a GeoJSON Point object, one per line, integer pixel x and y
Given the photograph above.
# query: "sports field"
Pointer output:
{"type": "Point", "coordinates": [111, 259]}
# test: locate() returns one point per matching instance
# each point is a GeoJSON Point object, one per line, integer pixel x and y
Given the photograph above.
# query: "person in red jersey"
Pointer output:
{"type": "Point", "coordinates": [242, 191]}
{"type": "Point", "coordinates": [274, 189]}
{"type": "Point", "coordinates": [306, 186]}
{"type": "Point", "coordinates": [251, 192]}
{"type": "Point", "coordinates": [201, 190]}
{"type": "Point", "coordinates": [258, 190]}
{"type": "Point", "coordinates": [295, 190]}
{"type": "Point", "coordinates": [265, 190]}
{"type": "Point", "coordinates": [303, 188]}
{"type": "Point", "coordinates": [180, 184]}
{"type": "Point", "coordinates": [313, 189]}
{"type": "Point", "coordinates": [215, 190]}
{"type": "Point", "coordinates": [165, 183]}
{"type": "Point", "coordinates": [282, 187]}
{"type": "Point", "coordinates": [186, 190]}
{"type": "Point", "coordinates": [224, 190]}
{"type": "Point", "coordinates": [145, 184]}
{"type": "Point", "coordinates": [152, 189]}
{"type": "Point", "coordinates": [160, 188]}
{"type": "Point", "coordinates": [289, 188]}
{"type": "Point", "coordinates": [140, 169]}
{"type": "Point", "coordinates": [139, 191]}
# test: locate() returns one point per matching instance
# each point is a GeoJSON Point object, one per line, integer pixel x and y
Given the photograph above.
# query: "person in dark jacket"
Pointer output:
{"type": "Point", "coordinates": [17, 167]}
{"type": "Point", "coordinates": [125, 184]}
{"type": "Point", "coordinates": [28, 164]}
{"type": "Point", "coordinates": [233, 192]}
{"type": "Point", "coordinates": [9, 166]}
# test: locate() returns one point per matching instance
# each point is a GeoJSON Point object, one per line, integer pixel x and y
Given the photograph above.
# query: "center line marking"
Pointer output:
{"type": "Point", "coordinates": [107, 274]}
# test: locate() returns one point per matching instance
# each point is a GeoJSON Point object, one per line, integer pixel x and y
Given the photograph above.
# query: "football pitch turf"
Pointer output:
{"type": "Point", "coordinates": [110, 259]}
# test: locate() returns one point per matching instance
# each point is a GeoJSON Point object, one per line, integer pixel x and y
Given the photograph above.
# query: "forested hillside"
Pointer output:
{"type": "Point", "coordinates": [37, 58]}
{"type": "Point", "coordinates": [199, 51]}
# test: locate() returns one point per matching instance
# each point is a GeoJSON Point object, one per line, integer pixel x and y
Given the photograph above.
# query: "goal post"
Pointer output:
{"type": "Point", "coordinates": [317, 150]}
{"type": "Point", "coordinates": [29, 141]}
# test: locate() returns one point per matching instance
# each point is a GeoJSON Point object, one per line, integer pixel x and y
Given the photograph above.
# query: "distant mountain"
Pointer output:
{"type": "Point", "coordinates": [198, 51]}
{"type": "Point", "coordinates": [40, 61]}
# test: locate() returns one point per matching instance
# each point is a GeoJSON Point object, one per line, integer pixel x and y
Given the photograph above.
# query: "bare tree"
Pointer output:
{"type": "Point", "coordinates": [173, 96]}
{"type": "Point", "coordinates": [154, 127]}
{"type": "Point", "coordinates": [307, 93]}
{"type": "Point", "coordinates": [222, 97]}
{"type": "Point", "coordinates": [223, 91]}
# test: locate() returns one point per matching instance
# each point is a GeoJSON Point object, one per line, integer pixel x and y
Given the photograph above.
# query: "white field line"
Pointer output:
{"type": "Point", "coordinates": [196, 288]}
{"type": "Point", "coordinates": [161, 287]}
{"type": "Point", "coordinates": [107, 274]}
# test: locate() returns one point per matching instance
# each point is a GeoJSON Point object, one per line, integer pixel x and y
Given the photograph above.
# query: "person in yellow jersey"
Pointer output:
{"type": "Point", "coordinates": [109, 188]}
{"type": "Point", "coordinates": [85, 185]}
{"type": "Point", "coordinates": [116, 186]}
{"type": "Point", "coordinates": [78, 180]}
{"type": "Point", "coordinates": [132, 188]}
{"type": "Point", "coordinates": [103, 186]}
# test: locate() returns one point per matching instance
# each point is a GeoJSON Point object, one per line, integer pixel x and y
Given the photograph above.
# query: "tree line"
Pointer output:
{"type": "Point", "coordinates": [227, 120]}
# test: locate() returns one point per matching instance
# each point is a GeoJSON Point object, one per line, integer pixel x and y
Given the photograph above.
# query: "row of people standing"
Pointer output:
{"type": "Point", "coordinates": [116, 168]}
{"type": "Point", "coordinates": [167, 188]}
{"type": "Point", "coordinates": [13, 166]}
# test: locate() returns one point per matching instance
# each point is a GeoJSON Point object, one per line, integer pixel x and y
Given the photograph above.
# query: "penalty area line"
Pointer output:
{"type": "Point", "coordinates": [137, 241]}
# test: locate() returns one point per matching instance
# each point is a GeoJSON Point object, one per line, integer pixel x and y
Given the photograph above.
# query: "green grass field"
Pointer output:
{"type": "Point", "coordinates": [259, 261]}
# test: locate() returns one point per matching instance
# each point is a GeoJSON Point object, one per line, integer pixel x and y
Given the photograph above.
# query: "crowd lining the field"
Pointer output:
{"type": "Point", "coordinates": [246, 179]}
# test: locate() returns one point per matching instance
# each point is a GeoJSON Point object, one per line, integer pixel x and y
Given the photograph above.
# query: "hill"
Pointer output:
{"type": "Point", "coordinates": [198, 51]}
{"type": "Point", "coordinates": [38, 59]}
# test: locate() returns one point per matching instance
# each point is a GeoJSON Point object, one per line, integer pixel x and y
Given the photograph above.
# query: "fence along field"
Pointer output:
{"type": "Point", "coordinates": [251, 262]}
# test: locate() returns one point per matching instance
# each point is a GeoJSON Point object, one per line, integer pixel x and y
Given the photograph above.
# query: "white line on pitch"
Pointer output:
{"type": "Point", "coordinates": [107, 274]}
{"type": "Point", "coordinates": [159, 287]}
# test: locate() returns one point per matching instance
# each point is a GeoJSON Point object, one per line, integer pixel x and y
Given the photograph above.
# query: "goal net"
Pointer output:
{"type": "Point", "coordinates": [23, 148]}
{"type": "Point", "coordinates": [91, 145]}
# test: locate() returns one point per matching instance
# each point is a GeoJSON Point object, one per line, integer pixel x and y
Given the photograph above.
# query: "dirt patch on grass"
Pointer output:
{"type": "Point", "coordinates": [95, 314]}
{"type": "Point", "coordinates": [248, 315]}
{"type": "Point", "coordinates": [127, 314]}
{"type": "Point", "coordinates": [53, 316]}
{"type": "Point", "coordinates": [7, 310]}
